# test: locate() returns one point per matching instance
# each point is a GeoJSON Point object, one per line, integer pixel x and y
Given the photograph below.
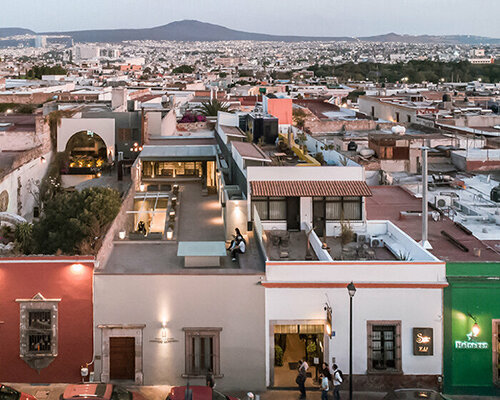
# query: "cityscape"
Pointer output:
{"type": "Point", "coordinates": [220, 207]}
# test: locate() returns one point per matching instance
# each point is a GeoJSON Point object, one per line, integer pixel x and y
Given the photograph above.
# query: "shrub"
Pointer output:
{"type": "Point", "coordinates": [278, 356]}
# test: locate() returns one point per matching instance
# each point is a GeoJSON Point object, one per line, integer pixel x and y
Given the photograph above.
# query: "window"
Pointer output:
{"type": "Point", "coordinates": [270, 208]}
{"type": "Point", "coordinates": [384, 346]}
{"type": "Point", "coordinates": [38, 330]}
{"type": "Point", "coordinates": [397, 117]}
{"type": "Point", "coordinates": [343, 208]}
{"type": "Point", "coordinates": [202, 351]}
{"type": "Point", "coordinates": [408, 118]}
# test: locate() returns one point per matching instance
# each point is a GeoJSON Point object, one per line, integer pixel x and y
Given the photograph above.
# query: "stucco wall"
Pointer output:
{"type": "Point", "coordinates": [54, 278]}
{"type": "Point", "coordinates": [414, 308]}
{"type": "Point", "coordinates": [104, 127]}
{"type": "Point", "coordinates": [234, 303]}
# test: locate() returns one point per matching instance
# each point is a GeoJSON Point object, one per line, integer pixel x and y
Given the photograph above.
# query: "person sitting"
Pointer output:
{"type": "Point", "coordinates": [239, 248]}
{"type": "Point", "coordinates": [236, 238]}
{"type": "Point", "coordinates": [141, 227]}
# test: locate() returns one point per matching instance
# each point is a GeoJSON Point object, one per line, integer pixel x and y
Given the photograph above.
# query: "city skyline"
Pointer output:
{"type": "Point", "coordinates": [364, 18]}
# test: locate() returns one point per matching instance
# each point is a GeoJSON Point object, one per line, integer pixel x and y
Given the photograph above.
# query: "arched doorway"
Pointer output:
{"type": "Point", "coordinates": [87, 153]}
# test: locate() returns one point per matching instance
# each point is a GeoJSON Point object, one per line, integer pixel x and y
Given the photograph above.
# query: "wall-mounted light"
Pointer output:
{"type": "Point", "coordinates": [170, 234]}
{"type": "Point", "coordinates": [122, 235]}
{"type": "Point", "coordinates": [43, 160]}
{"type": "Point", "coordinates": [77, 268]}
{"type": "Point", "coordinates": [475, 330]}
{"type": "Point", "coordinates": [164, 331]}
{"type": "Point", "coordinates": [142, 187]}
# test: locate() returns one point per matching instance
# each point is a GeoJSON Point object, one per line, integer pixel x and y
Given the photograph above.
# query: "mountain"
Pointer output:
{"type": "Point", "coordinates": [186, 30]}
{"type": "Point", "coordinates": [6, 32]}
{"type": "Point", "coordinates": [191, 30]}
{"type": "Point", "coordinates": [445, 39]}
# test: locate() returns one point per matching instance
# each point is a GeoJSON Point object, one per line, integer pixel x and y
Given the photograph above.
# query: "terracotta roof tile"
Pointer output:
{"type": "Point", "coordinates": [309, 188]}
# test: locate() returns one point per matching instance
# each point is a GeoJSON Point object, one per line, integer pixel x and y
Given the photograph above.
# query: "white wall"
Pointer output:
{"type": "Point", "coordinates": [28, 174]}
{"type": "Point", "coordinates": [314, 173]}
{"type": "Point", "coordinates": [234, 303]}
{"type": "Point", "coordinates": [414, 308]}
{"type": "Point", "coordinates": [104, 127]}
{"type": "Point", "coordinates": [306, 212]}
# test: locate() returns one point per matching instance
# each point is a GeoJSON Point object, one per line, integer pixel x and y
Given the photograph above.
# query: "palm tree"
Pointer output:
{"type": "Point", "coordinates": [212, 107]}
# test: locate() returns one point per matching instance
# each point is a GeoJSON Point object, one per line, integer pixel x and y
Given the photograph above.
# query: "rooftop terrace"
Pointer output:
{"type": "Point", "coordinates": [199, 219]}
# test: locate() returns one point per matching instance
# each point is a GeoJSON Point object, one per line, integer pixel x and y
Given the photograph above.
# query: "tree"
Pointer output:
{"type": "Point", "coordinates": [75, 221]}
{"type": "Point", "coordinates": [299, 117]}
{"type": "Point", "coordinates": [183, 69]}
{"type": "Point", "coordinates": [212, 107]}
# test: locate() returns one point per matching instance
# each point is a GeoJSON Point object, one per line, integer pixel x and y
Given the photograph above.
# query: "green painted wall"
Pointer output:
{"type": "Point", "coordinates": [471, 290]}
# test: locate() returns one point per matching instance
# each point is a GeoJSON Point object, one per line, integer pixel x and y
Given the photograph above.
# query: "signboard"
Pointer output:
{"type": "Point", "coordinates": [423, 342]}
{"type": "Point", "coordinates": [471, 342]}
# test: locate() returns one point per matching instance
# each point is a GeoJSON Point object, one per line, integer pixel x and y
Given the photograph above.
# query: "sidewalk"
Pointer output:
{"type": "Point", "coordinates": [53, 391]}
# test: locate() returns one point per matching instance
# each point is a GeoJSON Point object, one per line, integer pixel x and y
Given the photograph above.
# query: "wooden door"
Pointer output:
{"type": "Point", "coordinates": [122, 358]}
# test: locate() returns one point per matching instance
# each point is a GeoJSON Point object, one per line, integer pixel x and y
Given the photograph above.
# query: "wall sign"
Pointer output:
{"type": "Point", "coordinates": [423, 342]}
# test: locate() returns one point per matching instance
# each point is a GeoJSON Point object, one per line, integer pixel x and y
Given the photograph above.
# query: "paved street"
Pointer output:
{"type": "Point", "coordinates": [52, 392]}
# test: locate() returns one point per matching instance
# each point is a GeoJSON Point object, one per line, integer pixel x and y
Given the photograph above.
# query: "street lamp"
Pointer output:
{"type": "Point", "coordinates": [352, 291]}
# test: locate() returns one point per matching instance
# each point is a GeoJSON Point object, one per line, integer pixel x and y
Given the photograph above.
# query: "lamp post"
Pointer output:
{"type": "Point", "coordinates": [352, 290]}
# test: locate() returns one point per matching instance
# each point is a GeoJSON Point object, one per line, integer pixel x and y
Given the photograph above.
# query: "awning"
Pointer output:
{"type": "Point", "coordinates": [309, 188]}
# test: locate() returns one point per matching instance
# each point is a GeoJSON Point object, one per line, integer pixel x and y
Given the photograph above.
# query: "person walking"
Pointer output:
{"type": "Point", "coordinates": [301, 379]}
{"type": "Point", "coordinates": [337, 381]}
{"type": "Point", "coordinates": [210, 379]}
{"type": "Point", "coordinates": [324, 386]}
{"type": "Point", "coordinates": [325, 369]}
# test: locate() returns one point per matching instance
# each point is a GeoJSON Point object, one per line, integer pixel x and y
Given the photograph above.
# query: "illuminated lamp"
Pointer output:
{"type": "Point", "coordinates": [77, 268]}
{"type": "Point", "coordinates": [43, 160]}
{"type": "Point", "coordinates": [142, 187]}
{"type": "Point", "coordinates": [122, 235]}
{"type": "Point", "coordinates": [170, 234]}
{"type": "Point", "coordinates": [475, 330]}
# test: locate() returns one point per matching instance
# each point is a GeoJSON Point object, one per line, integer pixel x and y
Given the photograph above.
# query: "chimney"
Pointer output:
{"type": "Point", "coordinates": [425, 217]}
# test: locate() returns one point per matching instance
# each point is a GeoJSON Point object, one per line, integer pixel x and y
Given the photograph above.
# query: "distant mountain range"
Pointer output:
{"type": "Point", "coordinates": [191, 30]}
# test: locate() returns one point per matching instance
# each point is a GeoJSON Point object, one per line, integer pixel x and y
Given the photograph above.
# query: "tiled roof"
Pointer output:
{"type": "Point", "coordinates": [309, 188]}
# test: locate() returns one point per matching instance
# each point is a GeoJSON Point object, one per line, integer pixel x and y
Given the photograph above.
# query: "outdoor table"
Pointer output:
{"type": "Point", "coordinates": [201, 254]}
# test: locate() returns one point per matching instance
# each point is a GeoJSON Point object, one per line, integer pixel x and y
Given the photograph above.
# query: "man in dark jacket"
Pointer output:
{"type": "Point", "coordinates": [301, 379]}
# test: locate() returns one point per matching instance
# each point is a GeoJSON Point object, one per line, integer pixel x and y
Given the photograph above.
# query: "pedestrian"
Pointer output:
{"type": "Point", "coordinates": [324, 386]}
{"type": "Point", "coordinates": [210, 379]}
{"type": "Point", "coordinates": [325, 369]}
{"type": "Point", "coordinates": [301, 379]}
{"type": "Point", "coordinates": [337, 381]}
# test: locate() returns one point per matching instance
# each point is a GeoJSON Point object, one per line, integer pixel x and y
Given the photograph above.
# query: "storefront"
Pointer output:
{"type": "Point", "coordinates": [175, 163]}
{"type": "Point", "coordinates": [471, 329]}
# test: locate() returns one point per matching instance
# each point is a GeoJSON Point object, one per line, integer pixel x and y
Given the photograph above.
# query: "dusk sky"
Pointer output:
{"type": "Point", "coordinates": [296, 17]}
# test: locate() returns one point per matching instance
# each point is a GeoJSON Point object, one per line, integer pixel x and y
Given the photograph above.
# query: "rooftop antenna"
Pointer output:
{"type": "Point", "coordinates": [425, 218]}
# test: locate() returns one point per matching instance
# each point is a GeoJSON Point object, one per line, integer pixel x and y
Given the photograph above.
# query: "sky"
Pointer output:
{"type": "Point", "coordinates": [282, 17]}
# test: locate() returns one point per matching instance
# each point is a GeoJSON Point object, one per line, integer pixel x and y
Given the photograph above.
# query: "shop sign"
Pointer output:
{"type": "Point", "coordinates": [423, 343]}
{"type": "Point", "coordinates": [470, 343]}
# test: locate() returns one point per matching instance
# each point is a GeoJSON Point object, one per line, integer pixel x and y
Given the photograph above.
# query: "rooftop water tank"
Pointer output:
{"type": "Point", "coordinates": [495, 194]}
{"type": "Point", "coordinates": [398, 130]}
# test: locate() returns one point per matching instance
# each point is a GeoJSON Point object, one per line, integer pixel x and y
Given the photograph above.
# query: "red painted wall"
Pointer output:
{"type": "Point", "coordinates": [54, 278]}
{"type": "Point", "coordinates": [281, 109]}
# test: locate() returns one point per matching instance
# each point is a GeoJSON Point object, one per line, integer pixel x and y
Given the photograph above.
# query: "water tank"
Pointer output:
{"type": "Point", "coordinates": [495, 194]}
{"type": "Point", "coordinates": [352, 146]}
{"type": "Point", "coordinates": [366, 152]}
{"type": "Point", "coordinates": [446, 98]}
{"type": "Point", "coordinates": [398, 130]}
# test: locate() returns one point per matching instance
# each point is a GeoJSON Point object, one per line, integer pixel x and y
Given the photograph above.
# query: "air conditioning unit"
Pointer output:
{"type": "Point", "coordinates": [363, 238]}
{"type": "Point", "coordinates": [442, 201]}
{"type": "Point", "coordinates": [376, 241]}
